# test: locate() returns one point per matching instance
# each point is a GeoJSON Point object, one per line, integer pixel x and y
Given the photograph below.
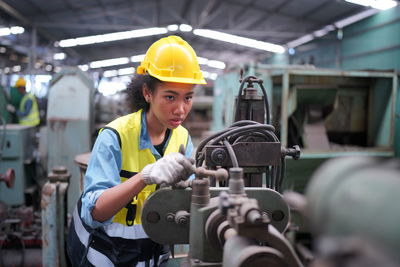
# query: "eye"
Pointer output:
{"type": "Point", "coordinates": [169, 97]}
{"type": "Point", "coordinates": [189, 98]}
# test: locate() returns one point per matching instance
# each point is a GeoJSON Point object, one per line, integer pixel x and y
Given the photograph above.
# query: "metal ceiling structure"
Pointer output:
{"type": "Point", "coordinates": [274, 21]}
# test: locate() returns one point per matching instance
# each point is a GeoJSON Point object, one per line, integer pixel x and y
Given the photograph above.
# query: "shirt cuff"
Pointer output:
{"type": "Point", "coordinates": [88, 203]}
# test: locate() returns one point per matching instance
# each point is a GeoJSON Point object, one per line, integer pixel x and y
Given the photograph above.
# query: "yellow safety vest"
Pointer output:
{"type": "Point", "coordinates": [134, 160]}
{"type": "Point", "coordinates": [32, 118]}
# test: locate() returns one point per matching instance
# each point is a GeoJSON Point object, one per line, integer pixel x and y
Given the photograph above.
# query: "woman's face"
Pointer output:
{"type": "Point", "coordinates": [171, 102]}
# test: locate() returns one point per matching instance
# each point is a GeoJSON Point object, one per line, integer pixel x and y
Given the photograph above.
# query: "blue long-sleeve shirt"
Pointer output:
{"type": "Point", "coordinates": [105, 165]}
{"type": "Point", "coordinates": [27, 108]}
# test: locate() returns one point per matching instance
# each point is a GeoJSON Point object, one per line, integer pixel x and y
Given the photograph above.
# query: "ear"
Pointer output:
{"type": "Point", "coordinates": [146, 92]}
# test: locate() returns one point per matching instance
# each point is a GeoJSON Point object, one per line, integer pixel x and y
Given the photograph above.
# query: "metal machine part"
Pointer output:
{"type": "Point", "coordinates": [54, 217]}
{"type": "Point", "coordinates": [250, 142]}
{"type": "Point", "coordinates": [352, 207]}
{"type": "Point", "coordinates": [205, 219]}
{"type": "Point", "coordinates": [70, 126]}
{"type": "Point", "coordinates": [17, 153]}
{"type": "Point", "coordinates": [8, 178]}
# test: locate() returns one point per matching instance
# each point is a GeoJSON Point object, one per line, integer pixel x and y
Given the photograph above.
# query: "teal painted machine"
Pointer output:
{"type": "Point", "coordinates": [70, 124]}
{"type": "Point", "coordinates": [17, 151]}
{"type": "Point", "coordinates": [330, 113]}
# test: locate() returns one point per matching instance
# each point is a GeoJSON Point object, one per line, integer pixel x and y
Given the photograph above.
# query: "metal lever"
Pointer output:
{"type": "Point", "coordinates": [220, 174]}
{"type": "Point", "coordinates": [8, 178]}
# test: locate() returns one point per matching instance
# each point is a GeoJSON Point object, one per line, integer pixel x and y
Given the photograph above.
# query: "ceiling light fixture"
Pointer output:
{"type": "Point", "coordinates": [109, 62]}
{"type": "Point", "coordinates": [109, 37]}
{"type": "Point", "coordinates": [378, 4]}
{"type": "Point", "coordinates": [138, 58]}
{"type": "Point", "coordinates": [244, 41]}
{"type": "Point", "coordinates": [12, 30]}
{"type": "Point", "coordinates": [119, 72]}
{"type": "Point", "coordinates": [84, 67]}
{"type": "Point", "coordinates": [211, 63]}
{"type": "Point", "coordinates": [172, 27]}
{"type": "Point", "coordinates": [185, 28]}
{"type": "Point", "coordinates": [59, 56]}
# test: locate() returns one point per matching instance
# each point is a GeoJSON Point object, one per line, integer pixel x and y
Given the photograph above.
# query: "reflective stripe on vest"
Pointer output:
{"type": "Point", "coordinates": [93, 256]}
{"type": "Point", "coordinates": [134, 160]}
{"type": "Point", "coordinates": [31, 119]}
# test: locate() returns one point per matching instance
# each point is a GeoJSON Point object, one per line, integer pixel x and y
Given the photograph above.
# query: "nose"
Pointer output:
{"type": "Point", "coordinates": [180, 108]}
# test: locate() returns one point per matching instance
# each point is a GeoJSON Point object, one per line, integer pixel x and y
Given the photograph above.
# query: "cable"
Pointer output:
{"type": "Point", "coordinates": [260, 83]}
{"type": "Point", "coordinates": [231, 154]}
{"type": "Point", "coordinates": [245, 131]}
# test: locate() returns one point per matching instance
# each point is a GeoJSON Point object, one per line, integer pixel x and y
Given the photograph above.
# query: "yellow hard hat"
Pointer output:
{"type": "Point", "coordinates": [171, 59]}
{"type": "Point", "coordinates": [20, 82]}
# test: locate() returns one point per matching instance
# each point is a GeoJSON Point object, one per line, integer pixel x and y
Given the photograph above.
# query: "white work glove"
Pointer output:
{"type": "Point", "coordinates": [168, 170]}
{"type": "Point", "coordinates": [10, 108]}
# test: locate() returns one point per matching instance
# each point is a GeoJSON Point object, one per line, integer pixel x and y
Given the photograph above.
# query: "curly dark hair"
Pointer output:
{"type": "Point", "coordinates": [135, 94]}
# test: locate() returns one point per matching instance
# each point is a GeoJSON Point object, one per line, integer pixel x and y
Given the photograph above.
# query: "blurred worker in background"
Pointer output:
{"type": "Point", "coordinates": [132, 156]}
{"type": "Point", "coordinates": [28, 110]}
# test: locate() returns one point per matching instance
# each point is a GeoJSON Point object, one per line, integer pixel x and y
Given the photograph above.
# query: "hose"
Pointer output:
{"type": "Point", "coordinates": [245, 131]}
{"type": "Point", "coordinates": [260, 83]}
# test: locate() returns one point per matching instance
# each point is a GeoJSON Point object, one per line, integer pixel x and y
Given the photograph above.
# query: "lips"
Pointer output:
{"type": "Point", "coordinates": [176, 122]}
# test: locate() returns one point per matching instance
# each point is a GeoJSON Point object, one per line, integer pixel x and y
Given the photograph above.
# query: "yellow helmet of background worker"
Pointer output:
{"type": "Point", "coordinates": [20, 83]}
{"type": "Point", "coordinates": [171, 59]}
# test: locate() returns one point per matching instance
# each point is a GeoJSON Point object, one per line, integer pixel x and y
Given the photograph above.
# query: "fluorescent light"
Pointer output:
{"type": "Point", "coordinates": [230, 38]}
{"type": "Point", "coordinates": [13, 30]}
{"type": "Point", "coordinates": [211, 63]}
{"type": "Point", "coordinates": [185, 28]}
{"type": "Point", "coordinates": [109, 37]}
{"type": "Point", "coordinates": [59, 56]}
{"type": "Point", "coordinates": [110, 73]}
{"type": "Point", "coordinates": [172, 27]}
{"type": "Point", "coordinates": [120, 72]}
{"type": "Point", "coordinates": [84, 67]}
{"type": "Point", "coordinates": [216, 64]}
{"type": "Point", "coordinates": [383, 4]}
{"type": "Point", "coordinates": [360, 2]}
{"type": "Point", "coordinates": [109, 62]}
{"type": "Point", "coordinates": [378, 4]}
{"type": "Point", "coordinates": [16, 68]}
{"type": "Point", "coordinates": [17, 30]}
{"type": "Point", "coordinates": [138, 58]}
{"type": "Point", "coordinates": [208, 75]}
{"type": "Point", "coordinates": [126, 71]}
{"type": "Point", "coordinates": [202, 60]}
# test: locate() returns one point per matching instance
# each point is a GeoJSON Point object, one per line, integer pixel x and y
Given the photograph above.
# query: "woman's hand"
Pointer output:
{"type": "Point", "coordinates": [168, 170]}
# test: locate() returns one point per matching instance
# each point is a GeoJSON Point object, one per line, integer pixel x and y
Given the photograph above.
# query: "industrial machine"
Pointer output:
{"type": "Point", "coordinates": [20, 224]}
{"type": "Point", "coordinates": [328, 113]}
{"type": "Point", "coordinates": [231, 225]}
{"type": "Point", "coordinates": [70, 124]}
{"type": "Point", "coordinates": [351, 204]}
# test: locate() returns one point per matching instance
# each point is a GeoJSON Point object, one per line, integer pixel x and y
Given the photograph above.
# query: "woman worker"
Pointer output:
{"type": "Point", "coordinates": [132, 155]}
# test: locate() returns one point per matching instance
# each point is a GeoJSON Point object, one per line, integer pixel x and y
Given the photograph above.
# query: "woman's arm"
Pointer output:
{"type": "Point", "coordinates": [114, 199]}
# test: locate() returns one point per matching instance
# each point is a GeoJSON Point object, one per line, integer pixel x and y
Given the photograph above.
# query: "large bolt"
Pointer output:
{"type": "Point", "coordinates": [182, 217]}
{"type": "Point", "coordinates": [218, 156]}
